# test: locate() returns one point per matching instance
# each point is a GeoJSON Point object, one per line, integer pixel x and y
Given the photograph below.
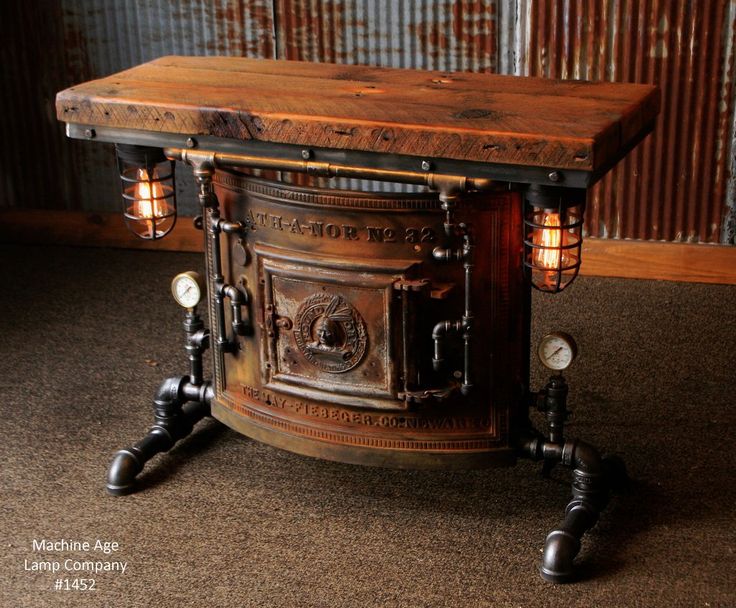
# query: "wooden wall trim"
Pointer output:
{"type": "Point", "coordinates": [87, 229]}
{"type": "Point", "coordinates": [601, 257]}
{"type": "Point", "coordinates": [692, 263]}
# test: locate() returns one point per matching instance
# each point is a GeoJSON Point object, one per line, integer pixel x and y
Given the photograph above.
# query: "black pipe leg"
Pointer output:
{"type": "Point", "coordinates": [590, 485]}
{"type": "Point", "coordinates": [563, 544]}
{"type": "Point", "coordinates": [175, 414]}
{"type": "Point", "coordinates": [589, 496]}
{"type": "Point", "coordinates": [128, 462]}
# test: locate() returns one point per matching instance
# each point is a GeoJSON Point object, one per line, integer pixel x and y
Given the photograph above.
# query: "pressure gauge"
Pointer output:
{"type": "Point", "coordinates": [187, 289]}
{"type": "Point", "coordinates": [557, 351]}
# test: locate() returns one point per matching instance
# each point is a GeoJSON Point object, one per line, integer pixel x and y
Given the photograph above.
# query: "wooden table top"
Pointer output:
{"type": "Point", "coordinates": [521, 121]}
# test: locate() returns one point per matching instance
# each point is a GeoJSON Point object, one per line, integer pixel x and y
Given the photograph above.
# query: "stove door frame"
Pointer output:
{"type": "Point", "coordinates": [335, 276]}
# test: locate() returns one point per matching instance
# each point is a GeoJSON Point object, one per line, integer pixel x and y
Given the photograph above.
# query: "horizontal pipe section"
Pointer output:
{"type": "Point", "coordinates": [436, 181]}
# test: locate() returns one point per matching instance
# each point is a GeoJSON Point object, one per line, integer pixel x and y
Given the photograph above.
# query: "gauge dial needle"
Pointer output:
{"type": "Point", "coordinates": [557, 351]}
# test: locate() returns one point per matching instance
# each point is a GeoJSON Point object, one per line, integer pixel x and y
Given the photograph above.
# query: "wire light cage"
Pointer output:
{"type": "Point", "coordinates": [148, 189]}
{"type": "Point", "coordinates": [553, 237]}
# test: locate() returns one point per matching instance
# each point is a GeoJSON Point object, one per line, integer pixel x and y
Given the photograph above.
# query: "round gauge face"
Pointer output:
{"type": "Point", "coordinates": [557, 351]}
{"type": "Point", "coordinates": [187, 289]}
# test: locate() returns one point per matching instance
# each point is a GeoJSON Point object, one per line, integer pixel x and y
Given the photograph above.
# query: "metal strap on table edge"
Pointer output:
{"type": "Point", "coordinates": [551, 176]}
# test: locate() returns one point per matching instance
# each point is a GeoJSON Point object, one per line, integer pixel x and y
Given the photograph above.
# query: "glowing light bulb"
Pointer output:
{"type": "Point", "coordinates": [149, 201]}
{"type": "Point", "coordinates": [547, 255]}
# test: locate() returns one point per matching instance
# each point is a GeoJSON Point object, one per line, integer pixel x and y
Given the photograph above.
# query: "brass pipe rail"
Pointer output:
{"type": "Point", "coordinates": [436, 181]}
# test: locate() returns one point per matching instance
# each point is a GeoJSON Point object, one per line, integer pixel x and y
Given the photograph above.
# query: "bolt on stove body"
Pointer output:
{"type": "Point", "coordinates": [377, 328]}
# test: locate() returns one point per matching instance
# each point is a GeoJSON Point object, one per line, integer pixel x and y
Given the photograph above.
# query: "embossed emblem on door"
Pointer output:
{"type": "Point", "coordinates": [330, 333]}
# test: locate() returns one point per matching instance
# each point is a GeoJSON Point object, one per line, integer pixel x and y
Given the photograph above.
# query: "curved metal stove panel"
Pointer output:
{"type": "Point", "coordinates": [344, 293]}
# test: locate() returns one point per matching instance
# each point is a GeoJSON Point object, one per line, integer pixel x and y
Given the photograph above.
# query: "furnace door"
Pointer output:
{"type": "Point", "coordinates": [333, 327]}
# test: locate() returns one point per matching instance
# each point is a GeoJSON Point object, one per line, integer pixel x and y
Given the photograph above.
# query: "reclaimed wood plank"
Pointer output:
{"type": "Point", "coordinates": [469, 81]}
{"type": "Point", "coordinates": [496, 109]}
{"type": "Point", "coordinates": [480, 117]}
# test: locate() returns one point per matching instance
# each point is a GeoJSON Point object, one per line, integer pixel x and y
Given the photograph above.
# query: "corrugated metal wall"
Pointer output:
{"type": "Point", "coordinates": [450, 35]}
{"type": "Point", "coordinates": [674, 186]}
{"type": "Point", "coordinates": [678, 186]}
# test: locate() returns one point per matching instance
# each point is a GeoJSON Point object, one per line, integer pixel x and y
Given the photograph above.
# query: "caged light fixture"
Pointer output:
{"type": "Point", "coordinates": [553, 222]}
{"type": "Point", "coordinates": [148, 189]}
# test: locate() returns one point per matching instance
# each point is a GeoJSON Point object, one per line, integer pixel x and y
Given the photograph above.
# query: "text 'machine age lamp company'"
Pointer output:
{"type": "Point", "coordinates": [370, 327]}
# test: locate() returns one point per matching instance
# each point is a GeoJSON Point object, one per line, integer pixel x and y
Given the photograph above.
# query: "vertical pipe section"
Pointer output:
{"type": "Point", "coordinates": [467, 321]}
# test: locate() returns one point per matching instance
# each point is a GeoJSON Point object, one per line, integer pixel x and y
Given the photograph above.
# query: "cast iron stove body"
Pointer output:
{"type": "Point", "coordinates": [346, 296]}
{"type": "Point", "coordinates": [373, 328]}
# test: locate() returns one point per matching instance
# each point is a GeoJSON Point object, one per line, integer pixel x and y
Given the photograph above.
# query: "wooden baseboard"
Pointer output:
{"type": "Point", "coordinates": [601, 257]}
{"type": "Point", "coordinates": [658, 260]}
{"type": "Point", "coordinates": [84, 229]}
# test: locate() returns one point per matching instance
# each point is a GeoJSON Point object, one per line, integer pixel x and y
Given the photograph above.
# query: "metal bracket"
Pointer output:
{"type": "Point", "coordinates": [416, 285]}
{"type": "Point", "coordinates": [423, 397]}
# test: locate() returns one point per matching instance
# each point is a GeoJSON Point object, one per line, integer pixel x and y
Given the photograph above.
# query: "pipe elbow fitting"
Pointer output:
{"type": "Point", "coordinates": [443, 327]}
{"type": "Point", "coordinates": [586, 459]}
{"type": "Point", "coordinates": [560, 550]}
{"type": "Point", "coordinates": [122, 472]}
{"type": "Point", "coordinates": [439, 330]}
{"type": "Point", "coordinates": [234, 294]}
{"type": "Point", "coordinates": [170, 392]}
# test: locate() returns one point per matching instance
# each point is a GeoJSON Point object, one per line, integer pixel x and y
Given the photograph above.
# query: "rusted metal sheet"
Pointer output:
{"type": "Point", "coordinates": [105, 37]}
{"type": "Point", "coordinates": [674, 187]}
{"type": "Point", "coordinates": [448, 35]}
{"type": "Point", "coordinates": [109, 37]}
{"type": "Point", "coordinates": [117, 35]}
{"type": "Point", "coordinates": [728, 93]}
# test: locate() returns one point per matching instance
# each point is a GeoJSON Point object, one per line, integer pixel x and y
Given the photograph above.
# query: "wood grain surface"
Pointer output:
{"type": "Point", "coordinates": [462, 116]}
